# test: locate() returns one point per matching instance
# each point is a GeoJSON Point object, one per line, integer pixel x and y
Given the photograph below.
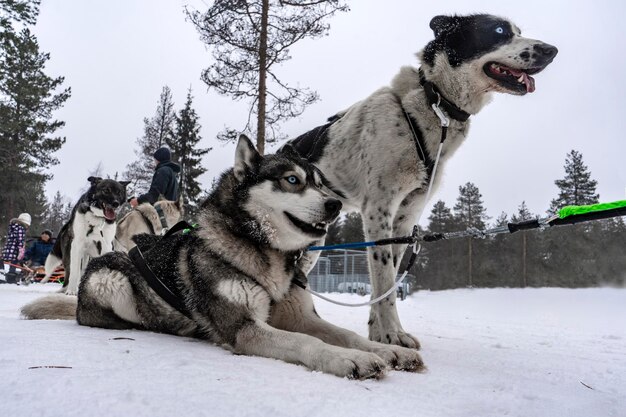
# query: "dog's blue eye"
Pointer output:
{"type": "Point", "coordinates": [499, 30]}
{"type": "Point", "coordinates": [292, 179]}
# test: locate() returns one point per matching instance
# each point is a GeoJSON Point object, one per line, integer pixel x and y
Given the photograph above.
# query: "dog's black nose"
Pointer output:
{"type": "Point", "coordinates": [332, 206]}
{"type": "Point", "coordinates": [115, 204]}
{"type": "Point", "coordinates": [545, 50]}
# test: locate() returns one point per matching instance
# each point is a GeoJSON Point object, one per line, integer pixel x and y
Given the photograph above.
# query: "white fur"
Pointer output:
{"type": "Point", "coordinates": [371, 157]}
{"type": "Point", "coordinates": [112, 288]}
{"type": "Point", "coordinates": [247, 294]}
{"type": "Point", "coordinates": [268, 206]}
{"type": "Point", "coordinates": [83, 246]}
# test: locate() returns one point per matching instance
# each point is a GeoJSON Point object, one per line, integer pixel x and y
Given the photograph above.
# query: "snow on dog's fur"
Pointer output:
{"type": "Point", "coordinates": [368, 152]}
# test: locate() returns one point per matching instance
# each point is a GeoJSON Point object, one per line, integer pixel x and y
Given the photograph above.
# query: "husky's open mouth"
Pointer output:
{"type": "Point", "coordinates": [517, 80]}
{"type": "Point", "coordinates": [317, 229]}
{"type": "Point", "coordinates": [109, 211]}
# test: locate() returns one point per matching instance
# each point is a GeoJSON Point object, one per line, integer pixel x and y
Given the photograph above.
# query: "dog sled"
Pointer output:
{"type": "Point", "coordinates": [26, 274]}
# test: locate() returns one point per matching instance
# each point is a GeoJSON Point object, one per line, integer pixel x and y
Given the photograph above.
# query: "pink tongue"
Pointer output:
{"type": "Point", "coordinates": [528, 80]}
{"type": "Point", "coordinates": [109, 213]}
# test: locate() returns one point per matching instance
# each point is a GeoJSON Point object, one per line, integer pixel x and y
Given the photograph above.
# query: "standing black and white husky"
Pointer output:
{"type": "Point", "coordinates": [233, 280]}
{"type": "Point", "coordinates": [380, 152]}
{"type": "Point", "coordinates": [89, 231]}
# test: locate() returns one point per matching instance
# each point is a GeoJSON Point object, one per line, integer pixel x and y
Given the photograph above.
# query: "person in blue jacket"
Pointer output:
{"type": "Point", "coordinates": [39, 251]}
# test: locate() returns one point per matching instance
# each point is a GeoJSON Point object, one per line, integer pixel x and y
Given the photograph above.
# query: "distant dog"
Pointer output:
{"type": "Point", "coordinates": [146, 218]}
{"type": "Point", "coordinates": [89, 231]}
{"type": "Point", "coordinates": [233, 280]}
{"type": "Point", "coordinates": [379, 153]}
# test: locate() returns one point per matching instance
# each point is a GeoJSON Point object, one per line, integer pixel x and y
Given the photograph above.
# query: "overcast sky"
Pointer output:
{"type": "Point", "coordinates": [117, 56]}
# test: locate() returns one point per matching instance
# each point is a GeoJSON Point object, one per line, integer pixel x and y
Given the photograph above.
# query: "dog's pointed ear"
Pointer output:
{"type": "Point", "coordinates": [94, 180]}
{"type": "Point", "coordinates": [124, 183]}
{"type": "Point", "coordinates": [247, 158]}
{"type": "Point", "coordinates": [288, 150]}
{"type": "Point", "coordinates": [440, 24]}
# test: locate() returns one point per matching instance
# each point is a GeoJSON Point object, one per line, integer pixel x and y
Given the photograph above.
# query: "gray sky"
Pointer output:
{"type": "Point", "coordinates": [117, 55]}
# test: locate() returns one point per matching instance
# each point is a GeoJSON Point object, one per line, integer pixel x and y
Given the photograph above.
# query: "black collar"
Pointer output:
{"type": "Point", "coordinates": [434, 96]}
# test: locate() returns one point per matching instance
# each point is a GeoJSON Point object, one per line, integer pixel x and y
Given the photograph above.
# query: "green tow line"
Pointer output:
{"type": "Point", "coordinates": [568, 211]}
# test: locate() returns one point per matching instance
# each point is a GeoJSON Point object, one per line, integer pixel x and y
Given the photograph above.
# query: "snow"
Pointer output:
{"type": "Point", "coordinates": [489, 352]}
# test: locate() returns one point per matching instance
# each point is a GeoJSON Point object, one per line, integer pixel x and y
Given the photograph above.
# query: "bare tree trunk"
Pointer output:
{"type": "Point", "coordinates": [524, 282]}
{"type": "Point", "coordinates": [260, 136]}
{"type": "Point", "coordinates": [469, 266]}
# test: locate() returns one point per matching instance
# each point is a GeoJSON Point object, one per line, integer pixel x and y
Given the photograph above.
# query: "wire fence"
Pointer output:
{"type": "Point", "coordinates": [345, 271]}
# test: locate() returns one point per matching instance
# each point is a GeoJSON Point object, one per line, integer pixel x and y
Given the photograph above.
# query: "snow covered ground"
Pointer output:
{"type": "Point", "coordinates": [490, 352]}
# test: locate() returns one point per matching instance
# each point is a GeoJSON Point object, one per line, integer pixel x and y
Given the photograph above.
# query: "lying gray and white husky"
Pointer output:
{"type": "Point", "coordinates": [379, 154]}
{"type": "Point", "coordinates": [233, 280]}
{"type": "Point", "coordinates": [88, 233]}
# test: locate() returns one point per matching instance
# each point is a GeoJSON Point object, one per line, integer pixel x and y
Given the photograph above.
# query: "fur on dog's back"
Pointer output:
{"type": "Point", "coordinates": [51, 307]}
{"type": "Point", "coordinates": [145, 219]}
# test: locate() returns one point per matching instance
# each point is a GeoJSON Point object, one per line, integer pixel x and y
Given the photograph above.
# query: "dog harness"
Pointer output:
{"type": "Point", "coordinates": [153, 280]}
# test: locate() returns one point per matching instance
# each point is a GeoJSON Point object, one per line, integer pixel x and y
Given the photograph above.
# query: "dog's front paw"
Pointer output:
{"type": "Point", "coordinates": [353, 364]}
{"type": "Point", "coordinates": [69, 291]}
{"type": "Point", "coordinates": [397, 337]}
{"type": "Point", "coordinates": [400, 358]}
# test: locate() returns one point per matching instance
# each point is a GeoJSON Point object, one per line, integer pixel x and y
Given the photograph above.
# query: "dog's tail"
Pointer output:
{"type": "Point", "coordinates": [52, 263]}
{"type": "Point", "coordinates": [51, 307]}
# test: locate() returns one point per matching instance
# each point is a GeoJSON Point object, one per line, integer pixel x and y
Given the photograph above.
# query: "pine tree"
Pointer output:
{"type": "Point", "coordinates": [184, 146]}
{"type": "Point", "coordinates": [56, 213]}
{"type": "Point", "coordinates": [249, 39]}
{"type": "Point", "coordinates": [28, 98]}
{"type": "Point", "coordinates": [158, 131]}
{"type": "Point", "coordinates": [469, 210]}
{"type": "Point", "coordinates": [470, 213]}
{"type": "Point", "coordinates": [352, 228]}
{"type": "Point", "coordinates": [501, 220]}
{"type": "Point", "coordinates": [522, 214]}
{"type": "Point", "coordinates": [15, 11]}
{"type": "Point", "coordinates": [441, 219]}
{"type": "Point", "coordinates": [577, 187]}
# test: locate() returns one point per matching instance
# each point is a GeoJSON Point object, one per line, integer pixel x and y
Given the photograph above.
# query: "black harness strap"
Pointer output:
{"type": "Point", "coordinates": [163, 291]}
{"type": "Point", "coordinates": [162, 218]}
{"type": "Point", "coordinates": [420, 145]}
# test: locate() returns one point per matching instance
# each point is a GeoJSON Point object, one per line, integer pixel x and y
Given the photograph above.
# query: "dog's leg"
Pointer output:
{"type": "Point", "coordinates": [384, 323]}
{"type": "Point", "coordinates": [107, 300]}
{"type": "Point", "coordinates": [260, 339]}
{"type": "Point", "coordinates": [403, 222]}
{"type": "Point", "coordinates": [296, 313]}
{"type": "Point", "coordinates": [52, 263]}
{"type": "Point", "coordinates": [76, 260]}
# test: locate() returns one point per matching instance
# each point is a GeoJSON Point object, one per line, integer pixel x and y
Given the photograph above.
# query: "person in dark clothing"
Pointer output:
{"type": "Point", "coordinates": [164, 182]}
{"type": "Point", "coordinates": [39, 251]}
